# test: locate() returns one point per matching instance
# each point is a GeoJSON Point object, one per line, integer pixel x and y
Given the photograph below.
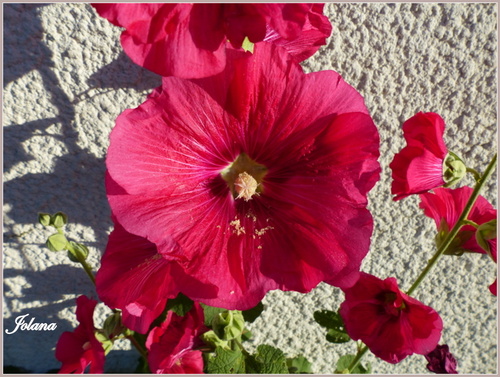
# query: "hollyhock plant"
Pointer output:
{"type": "Point", "coordinates": [250, 181]}
{"type": "Point", "coordinates": [172, 345]}
{"type": "Point", "coordinates": [80, 349]}
{"type": "Point", "coordinates": [445, 205]}
{"type": "Point", "coordinates": [425, 162]}
{"type": "Point", "coordinates": [392, 324]}
{"type": "Point", "coordinates": [190, 40]}
{"type": "Point", "coordinates": [441, 360]}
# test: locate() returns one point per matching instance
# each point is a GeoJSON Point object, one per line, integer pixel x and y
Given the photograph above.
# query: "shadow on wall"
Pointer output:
{"type": "Point", "coordinates": [76, 185]}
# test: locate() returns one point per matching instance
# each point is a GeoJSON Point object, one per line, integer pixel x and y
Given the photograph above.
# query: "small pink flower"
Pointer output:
{"type": "Point", "coordinates": [392, 324]}
{"type": "Point", "coordinates": [441, 360]}
{"type": "Point", "coordinates": [189, 40]}
{"type": "Point", "coordinates": [172, 345]}
{"type": "Point", "coordinates": [445, 206]}
{"type": "Point", "coordinates": [419, 167]}
{"type": "Point", "coordinates": [78, 349]}
{"type": "Point", "coordinates": [297, 217]}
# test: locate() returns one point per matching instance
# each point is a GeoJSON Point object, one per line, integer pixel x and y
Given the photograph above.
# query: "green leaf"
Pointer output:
{"type": "Point", "coordinates": [210, 312]}
{"type": "Point", "coordinates": [346, 360]}
{"type": "Point", "coordinates": [224, 361]}
{"type": "Point", "coordinates": [59, 219]}
{"type": "Point", "coordinates": [251, 315]}
{"type": "Point", "coordinates": [180, 305]}
{"type": "Point", "coordinates": [44, 219]}
{"type": "Point", "coordinates": [298, 365]}
{"type": "Point", "coordinates": [267, 360]}
{"type": "Point", "coordinates": [57, 242]}
{"type": "Point", "coordinates": [333, 322]}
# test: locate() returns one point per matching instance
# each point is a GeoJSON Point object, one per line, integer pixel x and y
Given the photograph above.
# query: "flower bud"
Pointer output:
{"type": "Point", "coordinates": [454, 169]}
{"type": "Point", "coordinates": [229, 325]}
{"type": "Point", "coordinates": [211, 338]}
{"type": "Point", "coordinates": [77, 252]}
{"type": "Point", "coordinates": [57, 242]}
{"type": "Point", "coordinates": [59, 219]}
{"type": "Point", "coordinates": [107, 344]}
{"type": "Point", "coordinates": [113, 325]}
{"type": "Point", "coordinates": [44, 219]}
{"type": "Point", "coordinates": [486, 232]}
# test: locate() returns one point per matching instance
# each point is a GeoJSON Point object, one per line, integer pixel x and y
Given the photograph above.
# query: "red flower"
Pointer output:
{"type": "Point", "coordinates": [172, 345]}
{"type": "Point", "coordinates": [252, 180]}
{"type": "Point", "coordinates": [189, 40]}
{"type": "Point", "coordinates": [420, 166]}
{"type": "Point", "coordinates": [78, 349]}
{"type": "Point", "coordinates": [134, 278]}
{"type": "Point", "coordinates": [392, 324]}
{"type": "Point", "coordinates": [445, 206]}
{"type": "Point", "coordinates": [441, 360]}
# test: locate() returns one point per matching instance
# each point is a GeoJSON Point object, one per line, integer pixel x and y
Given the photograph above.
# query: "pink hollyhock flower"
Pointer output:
{"type": "Point", "coordinates": [441, 360]}
{"type": "Point", "coordinates": [78, 349]}
{"type": "Point", "coordinates": [445, 207]}
{"type": "Point", "coordinates": [424, 163]}
{"type": "Point", "coordinates": [251, 181]}
{"type": "Point", "coordinates": [392, 324]}
{"type": "Point", "coordinates": [134, 278]}
{"type": "Point", "coordinates": [172, 345]}
{"type": "Point", "coordinates": [189, 40]}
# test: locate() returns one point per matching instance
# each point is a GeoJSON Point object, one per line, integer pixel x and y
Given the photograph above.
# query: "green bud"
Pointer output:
{"type": "Point", "coordinates": [57, 242]}
{"type": "Point", "coordinates": [229, 324]}
{"type": "Point", "coordinates": [211, 338]}
{"type": "Point", "coordinates": [454, 169]}
{"type": "Point", "coordinates": [59, 220]}
{"type": "Point", "coordinates": [113, 325]}
{"type": "Point", "coordinates": [486, 232]}
{"type": "Point", "coordinates": [44, 219]}
{"type": "Point", "coordinates": [77, 252]}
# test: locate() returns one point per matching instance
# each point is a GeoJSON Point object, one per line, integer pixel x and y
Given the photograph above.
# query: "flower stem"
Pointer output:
{"type": "Point", "coordinates": [475, 173]}
{"type": "Point", "coordinates": [461, 222]}
{"type": "Point", "coordinates": [357, 358]}
{"type": "Point", "coordinates": [87, 269]}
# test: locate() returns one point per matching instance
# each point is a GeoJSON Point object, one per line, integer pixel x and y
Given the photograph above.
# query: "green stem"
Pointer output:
{"type": "Point", "coordinates": [461, 222]}
{"type": "Point", "coordinates": [87, 269]}
{"type": "Point", "coordinates": [240, 346]}
{"type": "Point", "coordinates": [471, 223]}
{"type": "Point", "coordinates": [475, 173]}
{"type": "Point", "coordinates": [357, 359]}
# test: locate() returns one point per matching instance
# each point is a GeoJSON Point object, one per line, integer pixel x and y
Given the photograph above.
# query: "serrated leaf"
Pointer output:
{"type": "Point", "coordinates": [335, 325]}
{"type": "Point", "coordinates": [224, 361]}
{"type": "Point", "coordinates": [267, 360]}
{"type": "Point", "coordinates": [251, 315]}
{"type": "Point", "coordinates": [56, 242]}
{"type": "Point", "coordinates": [345, 361]}
{"type": "Point", "coordinates": [299, 365]}
{"type": "Point", "coordinates": [180, 305]}
{"type": "Point", "coordinates": [210, 312]}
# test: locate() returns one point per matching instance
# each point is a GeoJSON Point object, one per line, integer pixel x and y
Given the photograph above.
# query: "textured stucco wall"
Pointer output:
{"type": "Point", "coordinates": [66, 80]}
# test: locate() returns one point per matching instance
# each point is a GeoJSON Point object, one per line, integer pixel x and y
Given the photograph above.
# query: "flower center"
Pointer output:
{"type": "Point", "coordinates": [244, 177]}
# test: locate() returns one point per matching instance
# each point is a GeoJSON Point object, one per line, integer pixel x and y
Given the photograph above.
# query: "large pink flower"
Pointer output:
{"type": "Point", "coordinates": [392, 324]}
{"type": "Point", "coordinates": [445, 207]}
{"type": "Point", "coordinates": [251, 181]}
{"type": "Point", "coordinates": [189, 40]}
{"type": "Point", "coordinates": [420, 166]}
{"type": "Point", "coordinates": [78, 349]}
{"type": "Point", "coordinates": [172, 345]}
